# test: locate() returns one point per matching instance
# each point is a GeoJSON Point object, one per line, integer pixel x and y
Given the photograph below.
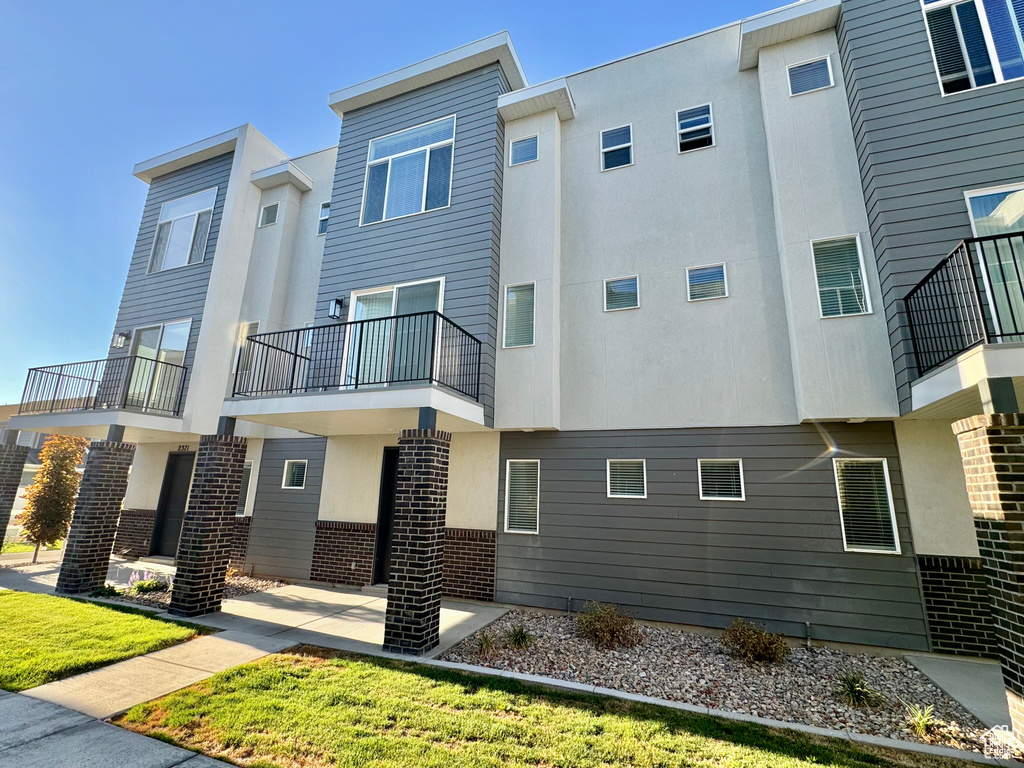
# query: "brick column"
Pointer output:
{"type": "Point", "coordinates": [417, 548]}
{"type": "Point", "coordinates": [87, 550]}
{"type": "Point", "coordinates": [209, 525]}
{"type": "Point", "coordinates": [992, 448]}
{"type": "Point", "coordinates": [12, 463]}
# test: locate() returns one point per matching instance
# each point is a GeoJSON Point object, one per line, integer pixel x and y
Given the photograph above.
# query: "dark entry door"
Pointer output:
{"type": "Point", "coordinates": [171, 511]}
{"type": "Point", "coordinates": [385, 517]}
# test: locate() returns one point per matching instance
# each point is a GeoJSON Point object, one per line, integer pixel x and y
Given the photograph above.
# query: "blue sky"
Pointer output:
{"type": "Point", "coordinates": [89, 89]}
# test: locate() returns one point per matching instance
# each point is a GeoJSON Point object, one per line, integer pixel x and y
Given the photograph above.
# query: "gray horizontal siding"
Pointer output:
{"type": "Point", "coordinates": [284, 520]}
{"type": "Point", "coordinates": [776, 558]}
{"type": "Point", "coordinates": [459, 242]}
{"type": "Point", "coordinates": [918, 151]}
{"type": "Point", "coordinates": [177, 294]}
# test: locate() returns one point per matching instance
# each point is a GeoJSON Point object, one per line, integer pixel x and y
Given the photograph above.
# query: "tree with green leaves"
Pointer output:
{"type": "Point", "coordinates": [50, 500]}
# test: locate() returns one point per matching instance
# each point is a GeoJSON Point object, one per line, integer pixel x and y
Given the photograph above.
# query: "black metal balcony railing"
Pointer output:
{"type": "Point", "coordinates": [131, 382]}
{"type": "Point", "coordinates": [425, 348]}
{"type": "Point", "coordinates": [974, 296]}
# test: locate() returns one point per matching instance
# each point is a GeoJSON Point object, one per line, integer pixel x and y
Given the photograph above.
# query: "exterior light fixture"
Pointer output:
{"type": "Point", "coordinates": [120, 339]}
{"type": "Point", "coordinates": [335, 312]}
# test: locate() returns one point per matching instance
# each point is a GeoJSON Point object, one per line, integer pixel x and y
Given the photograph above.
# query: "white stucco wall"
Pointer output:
{"type": "Point", "coordinates": [933, 480]}
{"type": "Point", "coordinates": [147, 474]}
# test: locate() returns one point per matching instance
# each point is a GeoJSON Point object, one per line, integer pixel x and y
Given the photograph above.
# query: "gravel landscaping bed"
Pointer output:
{"type": "Point", "coordinates": [236, 586]}
{"type": "Point", "coordinates": [694, 668]}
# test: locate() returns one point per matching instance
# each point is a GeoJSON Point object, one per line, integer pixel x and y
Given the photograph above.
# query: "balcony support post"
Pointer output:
{"type": "Point", "coordinates": [12, 464]}
{"type": "Point", "coordinates": [997, 395]}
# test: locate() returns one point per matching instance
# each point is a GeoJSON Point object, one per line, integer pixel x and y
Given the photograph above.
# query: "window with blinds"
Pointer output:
{"type": "Point", "coordinates": [695, 128]}
{"type": "Point", "coordinates": [627, 479]}
{"type": "Point", "coordinates": [840, 277]}
{"type": "Point", "coordinates": [183, 231]}
{"type": "Point", "coordinates": [706, 283]}
{"type": "Point", "coordinates": [720, 479]}
{"type": "Point", "coordinates": [294, 474]}
{"type": "Point", "coordinates": [523, 151]}
{"type": "Point", "coordinates": [976, 44]}
{"type": "Point", "coordinates": [522, 496]}
{"type": "Point", "coordinates": [409, 172]}
{"type": "Point", "coordinates": [621, 293]}
{"type": "Point", "coordinates": [616, 147]}
{"type": "Point", "coordinates": [865, 505]}
{"type": "Point", "coordinates": [244, 493]}
{"type": "Point", "coordinates": [268, 214]}
{"type": "Point", "coordinates": [519, 315]}
{"type": "Point", "coordinates": [810, 76]}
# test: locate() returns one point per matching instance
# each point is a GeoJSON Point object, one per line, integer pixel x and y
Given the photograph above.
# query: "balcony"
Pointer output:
{"type": "Point", "coordinates": [129, 383]}
{"type": "Point", "coordinates": [386, 367]}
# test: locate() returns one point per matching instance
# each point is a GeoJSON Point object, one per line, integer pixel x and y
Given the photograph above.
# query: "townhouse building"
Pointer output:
{"type": "Point", "coordinates": [710, 331]}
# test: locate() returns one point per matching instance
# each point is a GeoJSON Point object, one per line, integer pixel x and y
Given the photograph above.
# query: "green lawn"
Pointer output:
{"type": "Point", "coordinates": [45, 638]}
{"type": "Point", "coordinates": [11, 547]}
{"type": "Point", "coordinates": [321, 708]}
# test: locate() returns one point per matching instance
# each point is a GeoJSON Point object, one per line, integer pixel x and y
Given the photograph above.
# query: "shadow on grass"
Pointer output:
{"type": "Point", "coordinates": [149, 613]}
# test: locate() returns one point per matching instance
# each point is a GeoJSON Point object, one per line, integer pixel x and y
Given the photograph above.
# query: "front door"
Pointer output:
{"type": "Point", "coordinates": [385, 517]}
{"type": "Point", "coordinates": [170, 512]}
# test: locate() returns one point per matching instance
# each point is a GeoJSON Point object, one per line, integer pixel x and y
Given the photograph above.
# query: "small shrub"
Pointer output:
{"type": "Point", "coordinates": [150, 585]}
{"type": "Point", "coordinates": [855, 691]}
{"type": "Point", "coordinates": [233, 572]}
{"type": "Point", "coordinates": [519, 637]}
{"type": "Point", "coordinates": [607, 628]}
{"type": "Point", "coordinates": [921, 719]}
{"type": "Point", "coordinates": [751, 643]}
{"type": "Point", "coordinates": [107, 590]}
{"type": "Point", "coordinates": [485, 645]}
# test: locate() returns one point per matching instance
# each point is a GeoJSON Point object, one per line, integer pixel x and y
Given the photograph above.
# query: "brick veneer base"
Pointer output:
{"type": "Point", "coordinates": [469, 563]}
{"type": "Point", "coordinates": [343, 552]}
{"type": "Point", "coordinates": [91, 538]}
{"type": "Point", "coordinates": [134, 532]}
{"type": "Point", "coordinates": [240, 542]}
{"type": "Point", "coordinates": [209, 526]}
{"type": "Point", "coordinates": [413, 616]}
{"type": "Point", "coordinates": [992, 450]}
{"type": "Point", "coordinates": [12, 464]}
{"type": "Point", "coordinates": [958, 604]}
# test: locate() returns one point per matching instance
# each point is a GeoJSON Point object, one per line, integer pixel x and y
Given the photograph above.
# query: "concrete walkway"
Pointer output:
{"type": "Point", "coordinates": [978, 685]}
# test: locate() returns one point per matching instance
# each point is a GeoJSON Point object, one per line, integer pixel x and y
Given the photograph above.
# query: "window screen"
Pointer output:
{"type": "Point", "coordinates": [839, 276]}
{"type": "Point", "coordinates": [294, 474]}
{"type": "Point", "coordinates": [519, 315]}
{"type": "Point", "coordinates": [864, 505]}
{"type": "Point", "coordinates": [721, 479]}
{"type": "Point", "coordinates": [621, 293]}
{"type": "Point", "coordinates": [706, 282]}
{"type": "Point", "coordinates": [627, 478]}
{"type": "Point", "coordinates": [812, 76]}
{"type": "Point", "coordinates": [523, 151]}
{"type": "Point", "coordinates": [522, 495]}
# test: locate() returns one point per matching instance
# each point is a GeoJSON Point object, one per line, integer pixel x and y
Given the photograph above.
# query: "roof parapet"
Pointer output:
{"type": "Point", "coordinates": [787, 23]}
{"type": "Point", "coordinates": [554, 94]}
{"type": "Point", "coordinates": [190, 154]}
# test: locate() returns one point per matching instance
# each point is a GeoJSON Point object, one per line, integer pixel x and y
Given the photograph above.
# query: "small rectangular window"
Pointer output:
{"type": "Point", "coordinates": [840, 276]}
{"type": "Point", "coordinates": [627, 479]}
{"type": "Point", "coordinates": [616, 147]}
{"type": "Point", "coordinates": [268, 214]}
{"type": "Point", "coordinates": [523, 151]}
{"type": "Point", "coordinates": [325, 212]}
{"type": "Point", "coordinates": [294, 474]}
{"type": "Point", "coordinates": [865, 505]}
{"type": "Point", "coordinates": [810, 76]}
{"type": "Point", "coordinates": [183, 231]}
{"type": "Point", "coordinates": [621, 293]}
{"type": "Point", "coordinates": [720, 479]}
{"type": "Point", "coordinates": [695, 127]}
{"type": "Point", "coordinates": [243, 494]}
{"type": "Point", "coordinates": [706, 283]}
{"type": "Point", "coordinates": [519, 315]}
{"type": "Point", "coordinates": [522, 496]}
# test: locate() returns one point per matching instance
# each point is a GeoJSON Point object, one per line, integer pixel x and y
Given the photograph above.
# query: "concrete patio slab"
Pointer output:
{"type": "Point", "coordinates": [978, 685]}
{"type": "Point", "coordinates": [23, 720]}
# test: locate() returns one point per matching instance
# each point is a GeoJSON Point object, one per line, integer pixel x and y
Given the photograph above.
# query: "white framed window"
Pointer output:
{"type": "Point", "coordinates": [706, 282]}
{"type": "Point", "coordinates": [721, 480]}
{"type": "Point", "coordinates": [409, 172]}
{"type": "Point", "coordinates": [866, 511]}
{"type": "Point", "coordinates": [621, 293]}
{"type": "Point", "coordinates": [182, 231]}
{"type": "Point", "coordinates": [522, 151]}
{"type": "Point", "coordinates": [695, 128]}
{"type": "Point", "coordinates": [325, 213]}
{"type": "Point", "coordinates": [617, 147]}
{"type": "Point", "coordinates": [975, 42]}
{"type": "Point", "coordinates": [839, 272]}
{"type": "Point", "coordinates": [808, 76]}
{"type": "Point", "coordinates": [243, 353]}
{"type": "Point", "coordinates": [522, 496]}
{"type": "Point", "coordinates": [294, 474]}
{"type": "Point", "coordinates": [268, 214]}
{"type": "Point", "coordinates": [627, 478]}
{"type": "Point", "coordinates": [243, 495]}
{"type": "Point", "coordinates": [996, 210]}
{"type": "Point", "coordinates": [150, 387]}
{"type": "Point", "coordinates": [519, 315]}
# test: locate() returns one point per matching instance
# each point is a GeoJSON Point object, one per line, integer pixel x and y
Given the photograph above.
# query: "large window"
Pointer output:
{"type": "Point", "coordinates": [976, 42]}
{"type": "Point", "coordinates": [865, 505]}
{"type": "Point", "coordinates": [519, 315]}
{"type": "Point", "coordinates": [154, 387]}
{"type": "Point", "coordinates": [840, 275]}
{"type": "Point", "coordinates": [182, 231]}
{"type": "Point", "coordinates": [522, 496]}
{"type": "Point", "coordinates": [996, 212]}
{"type": "Point", "coordinates": [409, 172]}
